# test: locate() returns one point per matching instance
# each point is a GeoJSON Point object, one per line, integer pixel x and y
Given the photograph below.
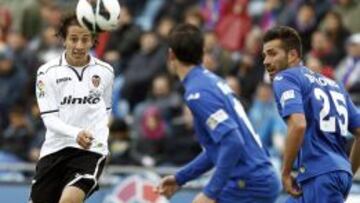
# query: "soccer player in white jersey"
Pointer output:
{"type": "Point", "coordinates": [74, 96]}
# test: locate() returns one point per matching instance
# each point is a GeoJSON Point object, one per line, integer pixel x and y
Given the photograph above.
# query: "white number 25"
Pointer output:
{"type": "Point", "coordinates": [329, 125]}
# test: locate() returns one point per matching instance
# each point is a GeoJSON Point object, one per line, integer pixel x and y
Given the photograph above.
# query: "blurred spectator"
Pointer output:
{"type": "Point", "coordinates": [288, 12]}
{"type": "Point", "coordinates": [210, 10]}
{"type": "Point", "coordinates": [25, 58]}
{"type": "Point", "coordinates": [183, 137]}
{"type": "Point", "coordinates": [333, 27]}
{"type": "Point", "coordinates": [193, 16]}
{"type": "Point", "coordinates": [31, 21]}
{"type": "Point", "coordinates": [120, 106]}
{"type": "Point", "coordinates": [150, 61]}
{"type": "Point", "coordinates": [250, 69]}
{"type": "Point", "coordinates": [233, 25]}
{"type": "Point", "coordinates": [348, 71]}
{"type": "Point", "coordinates": [51, 12]}
{"type": "Point", "coordinates": [271, 14]}
{"type": "Point", "coordinates": [135, 7]}
{"type": "Point", "coordinates": [350, 12]}
{"type": "Point", "coordinates": [166, 101]}
{"type": "Point", "coordinates": [123, 42]}
{"type": "Point", "coordinates": [323, 49]}
{"type": "Point", "coordinates": [13, 80]}
{"type": "Point", "coordinates": [122, 147]}
{"type": "Point", "coordinates": [216, 58]}
{"type": "Point", "coordinates": [154, 116]}
{"type": "Point", "coordinates": [305, 24]}
{"type": "Point", "coordinates": [164, 27]}
{"type": "Point", "coordinates": [317, 66]}
{"type": "Point", "coordinates": [17, 136]}
{"type": "Point", "coordinates": [38, 129]}
{"type": "Point", "coordinates": [151, 131]}
{"type": "Point", "coordinates": [5, 23]}
{"type": "Point", "coordinates": [176, 9]}
{"type": "Point", "coordinates": [149, 13]}
{"type": "Point", "coordinates": [235, 86]}
{"type": "Point", "coordinates": [321, 7]}
{"type": "Point", "coordinates": [47, 46]}
{"type": "Point", "coordinates": [266, 120]}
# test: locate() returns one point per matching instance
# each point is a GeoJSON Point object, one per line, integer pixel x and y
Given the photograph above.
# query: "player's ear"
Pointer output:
{"type": "Point", "coordinates": [292, 55]}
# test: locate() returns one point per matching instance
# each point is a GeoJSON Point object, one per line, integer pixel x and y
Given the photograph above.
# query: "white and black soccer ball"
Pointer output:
{"type": "Point", "coordinates": [98, 15]}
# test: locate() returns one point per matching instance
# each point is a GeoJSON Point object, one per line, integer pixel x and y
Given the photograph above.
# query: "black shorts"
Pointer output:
{"type": "Point", "coordinates": [67, 167]}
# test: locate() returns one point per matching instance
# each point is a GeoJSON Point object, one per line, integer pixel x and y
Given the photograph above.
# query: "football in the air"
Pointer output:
{"type": "Point", "coordinates": [98, 15]}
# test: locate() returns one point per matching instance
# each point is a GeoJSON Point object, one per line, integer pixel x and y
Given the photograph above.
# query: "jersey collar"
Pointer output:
{"type": "Point", "coordinates": [192, 73]}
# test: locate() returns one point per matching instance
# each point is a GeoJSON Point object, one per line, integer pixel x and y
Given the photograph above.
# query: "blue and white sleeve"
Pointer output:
{"type": "Point", "coordinates": [288, 95]}
{"type": "Point", "coordinates": [212, 113]}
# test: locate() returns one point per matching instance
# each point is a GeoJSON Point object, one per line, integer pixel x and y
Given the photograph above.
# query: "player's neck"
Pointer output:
{"type": "Point", "coordinates": [77, 63]}
{"type": "Point", "coordinates": [295, 63]}
{"type": "Point", "coordinates": [183, 70]}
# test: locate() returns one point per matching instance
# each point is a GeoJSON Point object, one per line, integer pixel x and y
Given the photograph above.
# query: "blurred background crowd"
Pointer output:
{"type": "Point", "coordinates": [151, 125]}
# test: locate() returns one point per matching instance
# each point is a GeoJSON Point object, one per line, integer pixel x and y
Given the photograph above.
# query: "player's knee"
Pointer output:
{"type": "Point", "coordinates": [72, 195]}
{"type": "Point", "coordinates": [68, 199]}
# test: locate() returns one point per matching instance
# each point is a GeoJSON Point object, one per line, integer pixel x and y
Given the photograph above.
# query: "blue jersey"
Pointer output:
{"type": "Point", "coordinates": [217, 112]}
{"type": "Point", "coordinates": [329, 114]}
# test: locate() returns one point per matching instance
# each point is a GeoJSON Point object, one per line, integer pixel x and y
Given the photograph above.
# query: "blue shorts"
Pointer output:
{"type": "Point", "coordinates": [265, 191]}
{"type": "Point", "coordinates": [247, 199]}
{"type": "Point", "coordinates": [332, 187]}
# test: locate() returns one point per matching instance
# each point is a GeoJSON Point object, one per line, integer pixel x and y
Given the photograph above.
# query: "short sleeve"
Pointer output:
{"type": "Point", "coordinates": [211, 113]}
{"type": "Point", "coordinates": [288, 95]}
{"type": "Point", "coordinates": [45, 94]}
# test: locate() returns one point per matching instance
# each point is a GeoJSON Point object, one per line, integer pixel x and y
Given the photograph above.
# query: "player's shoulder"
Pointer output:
{"type": "Point", "coordinates": [294, 75]}
{"type": "Point", "coordinates": [201, 95]}
{"type": "Point", "coordinates": [104, 65]}
{"type": "Point", "coordinates": [49, 66]}
{"type": "Point", "coordinates": [293, 72]}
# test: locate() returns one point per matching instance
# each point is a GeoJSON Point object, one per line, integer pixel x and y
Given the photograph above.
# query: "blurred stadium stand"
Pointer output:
{"type": "Point", "coordinates": [145, 90]}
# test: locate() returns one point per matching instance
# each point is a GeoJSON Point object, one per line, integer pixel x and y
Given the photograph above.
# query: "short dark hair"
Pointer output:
{"type": "Point", "coordinates": [289, 37]}
{"type": "Point", "coordinates": [67, 21]}
{"type": "Point", "coordinates": [187, 43]}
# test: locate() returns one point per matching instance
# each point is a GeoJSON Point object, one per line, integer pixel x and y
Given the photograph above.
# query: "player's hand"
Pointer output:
{"type": "Point", "coordinates": [202, 198]}
{"type": "Point", "coordinates": [290, 185]}
{"type": "Point", "coordinates": [84, 139]}
{"type": "Point", "coordinates": [167, 187]}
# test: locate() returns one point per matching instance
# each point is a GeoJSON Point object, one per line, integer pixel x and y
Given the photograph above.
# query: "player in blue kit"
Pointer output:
{"type": "Point", "coordinates": [319, 113]}
{"type": "Point", "coordinates": [243, 172]}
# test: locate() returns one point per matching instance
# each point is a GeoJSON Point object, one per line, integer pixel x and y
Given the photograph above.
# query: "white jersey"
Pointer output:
{"type": "Point", "coordinates": [73, 99]}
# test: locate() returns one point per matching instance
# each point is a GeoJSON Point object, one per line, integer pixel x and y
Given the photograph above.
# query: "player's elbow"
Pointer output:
{"type": "Point", "coordinates": [298, 122]}
{"type": "Point", "coordinates": [233, 139]}
{"type": "Point", "coordinates": [356, 133]}
{"type": "Point", "coordinates": [300, 126]}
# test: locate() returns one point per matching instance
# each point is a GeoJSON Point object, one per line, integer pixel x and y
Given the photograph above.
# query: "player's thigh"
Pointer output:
{"type": "Point", "coordinates": [72, 194]}
{"type": "Point", "coordinates": [248, 199]}
{"type": "Point", "coordinates": [84, 170]}
{"type": "Point", "coordinates": [48, 181]}
{"type": "Point", "coordinates": [327, 188]}
{"type": "Point", "coordinates": [228, 196]}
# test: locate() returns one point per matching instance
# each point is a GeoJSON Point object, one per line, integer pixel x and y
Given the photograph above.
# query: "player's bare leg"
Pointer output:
{"type": "Point", "coordinates": [72, 194]}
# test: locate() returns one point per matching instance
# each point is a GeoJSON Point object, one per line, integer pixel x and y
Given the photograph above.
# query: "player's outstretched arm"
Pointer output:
{"type": "Point", "coordinates": [168, 186]}
{"type": "Point", "coordinates": [355, 151]}
{"type": "Point", "coordinates": [229, 156]}
{"type": "Point", "coordinates": [296, 128]}
{"type": "Point", "coordinates": [172, 183]}
{"type": "Point", "coordinates": [194, 169]}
